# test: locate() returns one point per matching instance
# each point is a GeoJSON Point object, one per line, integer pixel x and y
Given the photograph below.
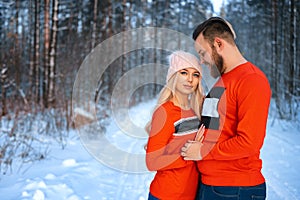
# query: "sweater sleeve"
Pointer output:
{"type": "Point", "coordinates": [253, 99]}
{"type": "Point", "coordinates": [157, 156]}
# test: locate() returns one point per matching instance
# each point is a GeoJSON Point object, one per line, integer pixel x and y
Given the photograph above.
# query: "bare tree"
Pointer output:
{"type": "Point", "coordinates": [46, 51]}
{"type": "Point", "coordinates": [17, 49]}
{"type": "Point", "coordinates": [94, 30]}
{"type": "Point", "coordinates": [37, 51]}
{"type": "Point", "coordinates": [52, 56]}
{"type": "Point", "coordinates": [3, 80]}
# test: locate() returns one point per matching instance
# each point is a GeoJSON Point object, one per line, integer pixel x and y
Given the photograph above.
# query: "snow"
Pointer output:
{"type": "Point", "coordinates": [74, 174]}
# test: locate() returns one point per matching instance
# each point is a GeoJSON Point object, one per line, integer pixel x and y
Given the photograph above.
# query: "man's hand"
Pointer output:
{"type": "Point", "coordinates": [191, 150]}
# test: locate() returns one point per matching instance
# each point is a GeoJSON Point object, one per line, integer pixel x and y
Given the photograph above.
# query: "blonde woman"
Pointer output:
{"type": "Point", "coordinates": [175, 120]}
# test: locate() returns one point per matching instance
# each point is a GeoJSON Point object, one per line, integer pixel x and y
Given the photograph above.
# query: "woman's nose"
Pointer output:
{"type": "Point", "coordinates": [190, 77]}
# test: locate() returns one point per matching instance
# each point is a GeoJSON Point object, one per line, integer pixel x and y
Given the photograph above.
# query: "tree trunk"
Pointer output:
{"type": "Point", "coordinates": [124, 41]}
{"type": "Point", "coordinates": [52, 56]}
{"type": "Point", "coordinates": [3, 78]}
{"type": "Point", "coordinates": [37, 51]}
{"type": "Point", "coordinates": [94, 31]}
{"type": "Point", "coordinates": [297, 49]}
{"type": "Point", "coordinates": [17, 48]}
{"type": "Point", "coordinates": [274, 51]}
{"type": "Point", "coordinates": [46, 51]}
{"type": "Point", "coordinates": [109, 34]}
{"type": "Point", "coordinates": [292, 48]}
{"type": "Point", "coordinates": [31, 52]}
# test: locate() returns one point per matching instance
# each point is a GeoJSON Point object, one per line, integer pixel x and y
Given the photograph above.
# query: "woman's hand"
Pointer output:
{"type": "Point", "coordinates": [191, 149]}
{"type": "Point", "coordinates": [200, 134]}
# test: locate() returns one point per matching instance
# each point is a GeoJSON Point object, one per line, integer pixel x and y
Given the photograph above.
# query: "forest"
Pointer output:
{"type": "Point", "coordinates": [44, 43]}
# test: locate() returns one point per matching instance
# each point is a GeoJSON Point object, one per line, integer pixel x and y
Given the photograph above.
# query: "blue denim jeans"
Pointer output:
{"type": "Point", "coordinates": [207, 192]}
{"type": "Point", "coordinates": [151, 197]}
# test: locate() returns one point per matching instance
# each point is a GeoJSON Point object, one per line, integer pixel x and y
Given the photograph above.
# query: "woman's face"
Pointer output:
{"type": "Point", "coordinates": [187, 81]}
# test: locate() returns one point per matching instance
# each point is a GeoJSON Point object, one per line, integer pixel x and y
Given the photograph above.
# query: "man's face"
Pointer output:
{"type": "Point", "coordinates": [209, 56]}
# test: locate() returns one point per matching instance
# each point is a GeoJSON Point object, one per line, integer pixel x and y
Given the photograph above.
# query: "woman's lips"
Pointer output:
{"type": "Point", "coordinates": [188, 86]}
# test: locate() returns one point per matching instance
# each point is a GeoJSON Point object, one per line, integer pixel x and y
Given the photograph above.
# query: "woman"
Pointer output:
{"type": "Point", "coordinates": [175, 120]}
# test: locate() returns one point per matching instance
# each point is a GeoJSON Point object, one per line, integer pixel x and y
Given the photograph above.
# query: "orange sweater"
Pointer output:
{"type": "Point", "coordinates": [171, 128]}
{"type": "Point", "coordinates": [241, 98]}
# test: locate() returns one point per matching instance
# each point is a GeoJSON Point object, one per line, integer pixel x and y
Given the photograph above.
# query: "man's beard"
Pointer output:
{"type": "Point", "coordinates": [217, 68]}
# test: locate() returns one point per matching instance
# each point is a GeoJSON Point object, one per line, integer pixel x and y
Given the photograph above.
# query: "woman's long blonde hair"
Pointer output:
{"type": "Point", "coordinates": [168, 91]}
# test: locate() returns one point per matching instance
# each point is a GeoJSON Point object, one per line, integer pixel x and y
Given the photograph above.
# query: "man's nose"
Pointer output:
{"type": "Point", "coordinates": [201, 60]}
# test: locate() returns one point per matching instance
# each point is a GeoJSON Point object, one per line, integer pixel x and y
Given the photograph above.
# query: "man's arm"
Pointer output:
{"type": "Point", "coordinates": [253, 103]}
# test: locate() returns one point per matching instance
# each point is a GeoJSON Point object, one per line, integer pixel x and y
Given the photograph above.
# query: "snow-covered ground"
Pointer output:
{"type": "Point", "coordinates": [74, 174]}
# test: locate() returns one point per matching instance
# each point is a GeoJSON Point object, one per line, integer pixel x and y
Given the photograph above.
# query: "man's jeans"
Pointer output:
{"type": "Point", "coordinates": [151, 197]}
{"type": "Point", "coordinates": [207, 192]}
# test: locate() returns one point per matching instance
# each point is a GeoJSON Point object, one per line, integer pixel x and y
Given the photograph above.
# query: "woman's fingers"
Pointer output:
{"type": "Point", "coordinates": [199, 136]}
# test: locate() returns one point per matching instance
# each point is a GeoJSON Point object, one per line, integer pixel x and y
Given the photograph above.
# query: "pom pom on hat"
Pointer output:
{"type": "Point", "coordinates": [179, 60]}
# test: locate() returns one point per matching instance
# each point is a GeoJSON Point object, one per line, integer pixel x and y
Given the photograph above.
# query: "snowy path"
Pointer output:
{"type": "Point", "coordinates": [281, 162]}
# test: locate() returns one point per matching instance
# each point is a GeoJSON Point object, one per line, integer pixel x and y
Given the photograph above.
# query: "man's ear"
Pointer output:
{"type": "Point", "coordinates": [218, 43]}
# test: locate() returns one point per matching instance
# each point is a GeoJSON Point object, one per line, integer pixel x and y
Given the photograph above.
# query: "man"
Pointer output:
{"type": "Point", "coordinates": [235, 115]}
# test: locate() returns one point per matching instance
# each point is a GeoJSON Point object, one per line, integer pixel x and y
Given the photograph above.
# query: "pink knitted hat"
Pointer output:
{"type": "Point", "coordinates": [179, 60]}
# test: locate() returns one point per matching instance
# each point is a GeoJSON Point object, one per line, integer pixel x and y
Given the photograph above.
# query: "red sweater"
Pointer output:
{"type": "Point", "coordinates": [171, 128]}
{"type": "Point", "coordinates": [242, 98]}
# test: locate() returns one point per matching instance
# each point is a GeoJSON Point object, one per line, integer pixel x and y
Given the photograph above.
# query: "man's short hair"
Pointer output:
{"type": "Point", "coordinates": [215, 27]}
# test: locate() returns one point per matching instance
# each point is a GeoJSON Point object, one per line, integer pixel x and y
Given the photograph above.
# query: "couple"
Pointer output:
{"type": "Point", "coordinates": [222, 132]}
